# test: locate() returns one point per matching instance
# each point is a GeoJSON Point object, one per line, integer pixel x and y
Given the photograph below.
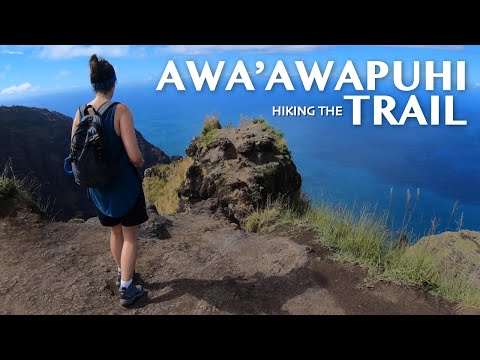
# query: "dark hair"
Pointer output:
{"type": "Point", "coordinates": [102, 74]}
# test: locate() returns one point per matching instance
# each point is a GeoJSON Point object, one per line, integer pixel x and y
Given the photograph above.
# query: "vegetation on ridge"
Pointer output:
{"type": "Point", "coordinates": [11, 186]}
{"type": "Point", "coordinates": [277, 135]}
{"type": "Point", "coordinates": [210, 129]}
{"type": "Point", "coordinates": [161, 184]}
{"type": "Point", "coordinates": [365, 239]}
{"type": "Point", "coordinates": [7, 188]}
{"type": "Point", "coordinates": [15, 191]}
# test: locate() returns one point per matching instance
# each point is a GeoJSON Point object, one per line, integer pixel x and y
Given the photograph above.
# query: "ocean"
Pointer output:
{"type": "Point", "coordinates": [359, 167]}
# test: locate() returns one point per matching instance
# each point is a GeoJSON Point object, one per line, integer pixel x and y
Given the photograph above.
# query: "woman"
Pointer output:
{"type": "Point", "coordinates": [120, 204]}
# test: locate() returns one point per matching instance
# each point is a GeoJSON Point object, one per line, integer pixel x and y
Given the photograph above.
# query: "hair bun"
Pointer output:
{"type": "Point", "coordinates": [102, 73]}
{"type": "Point", "coordinates": [93, 59]}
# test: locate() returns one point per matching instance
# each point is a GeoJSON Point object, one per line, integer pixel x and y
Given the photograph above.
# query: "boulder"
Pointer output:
{"type": "Point", "coordinates": [237, 170]}
{"type": "Point", "coordinates": [157, 225]}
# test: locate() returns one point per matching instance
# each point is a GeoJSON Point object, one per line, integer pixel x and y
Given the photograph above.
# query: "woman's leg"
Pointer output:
{"type": "Point", "coordinates": [129, 251]}
{"type": "Point", "coordinates": [116, 243]}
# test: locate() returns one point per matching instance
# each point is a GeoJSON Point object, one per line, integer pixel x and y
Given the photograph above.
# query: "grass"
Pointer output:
{"type": "Point", "coordinates": [365, 239]}
{"type": "Point", "coordinates": [267, 169]}
{"type": "Point", "coordinates": [277, 136]}
{"type": "Point", "coordinates": [162, 188]}
{"type": "Point", "coordinates": [26, 189]}
{"type": "Point", "coordinates": [211, 123]}
{"type": "Point", "coordinates": [7, 188]}
{"type": "Point", "coordinates": [11, 186]}
{"type": "Point", "coordinates": [210, 129]}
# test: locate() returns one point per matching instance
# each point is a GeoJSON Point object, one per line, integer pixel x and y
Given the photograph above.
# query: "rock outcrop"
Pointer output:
{"type": "Point", "coordinates": [237, 170]}
{"type": "Point", "coordinates": [157, 225]}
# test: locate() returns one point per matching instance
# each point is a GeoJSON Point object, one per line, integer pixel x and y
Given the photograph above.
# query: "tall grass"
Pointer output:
{"type": "Point", "coordinates": [363, 237]}
{"type": "Point", "coordinates": [455, 205]}
{"type": "Point", "coordinates": [27, 188]}
{"type": "Point", "coordinates": [9, 184]}
{"type": "Point", "coordinates": [211, 122]}
{"type": "Point", "coordinates": [210, 129]}
{"type": "Point", "coordinates": [7, 188]}
{"type": "Point", "coordinates": [162, 190]}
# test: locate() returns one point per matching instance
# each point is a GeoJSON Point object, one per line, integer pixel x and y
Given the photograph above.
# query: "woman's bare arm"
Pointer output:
{"type": "Point", "coordinates": [127, 133]}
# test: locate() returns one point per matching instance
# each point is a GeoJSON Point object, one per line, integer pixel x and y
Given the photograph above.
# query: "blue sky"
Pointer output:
{"type": "Point", "coordinates": [30, 70]}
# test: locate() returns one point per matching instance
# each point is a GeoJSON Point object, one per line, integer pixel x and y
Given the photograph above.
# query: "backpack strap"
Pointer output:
{"type": "Point", "coordinates": [83, 110]}
{"type": "Point", "coordinates": [105, 106]}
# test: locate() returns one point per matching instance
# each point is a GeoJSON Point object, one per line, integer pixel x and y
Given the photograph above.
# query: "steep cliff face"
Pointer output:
{"type": "Point", "coordinates": [236, 170]}
{"type": "Point", "coordinates": [37, 141]}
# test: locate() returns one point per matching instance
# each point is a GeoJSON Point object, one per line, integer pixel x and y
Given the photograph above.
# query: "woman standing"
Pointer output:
{"type": "Point", "coordinates": [120, 204]}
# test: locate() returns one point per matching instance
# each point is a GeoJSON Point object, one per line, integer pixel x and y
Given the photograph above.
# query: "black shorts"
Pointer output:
{"type": "Point", "coordinates": [136, 216]}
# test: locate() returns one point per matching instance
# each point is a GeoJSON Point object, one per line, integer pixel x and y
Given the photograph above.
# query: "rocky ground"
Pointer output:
{"type": "Point", "coordinates": [201, 265]}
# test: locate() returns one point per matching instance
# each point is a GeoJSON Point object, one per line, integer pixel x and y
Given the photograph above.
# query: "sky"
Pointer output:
{"type": "Point", "coordinates": [43, 69]}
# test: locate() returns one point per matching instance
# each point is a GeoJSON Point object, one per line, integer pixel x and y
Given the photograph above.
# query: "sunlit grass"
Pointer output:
{"type": "Point", "coordinates": [162, 190]}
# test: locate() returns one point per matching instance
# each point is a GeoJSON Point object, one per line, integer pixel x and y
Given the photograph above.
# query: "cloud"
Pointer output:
{"type": "Point", "coordinates": [477, 85]}
{"type": "Point", "coordinates": [432, 47]}
{"type": "Point", "coordinates": [18, 89]}
{"type": "Point", "coordinates": [6, 69]}
{"type": "Point", "coordinates": [10, 52]}
{"type": "Point", "coordinates": [62, 73]}
{"type": "Point", "coordinates": [58, 52]}
{"type": "Point", "coordinates": [217, 49]}
{"type": "Point", "coordinates": [138, 52]}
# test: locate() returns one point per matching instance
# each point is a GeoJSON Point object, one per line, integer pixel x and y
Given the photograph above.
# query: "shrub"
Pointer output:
{"type": "Point", "coordinates": [7, 188]}
{"type": "Point", "coordinates": [211, 123]}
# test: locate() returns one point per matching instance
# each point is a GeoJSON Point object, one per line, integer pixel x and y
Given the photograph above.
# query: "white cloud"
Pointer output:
{"type": "Point", "coordinates": [6, 69]}
{"type": "Point", "coordinates": [71, 51]}
{"type": "Point", "coordinates": [62, 73]}
{"type": "Point", "coordinates": [10, 52]}
{"type": "Point", "coordinates": [18, 89]}
{"type": "Point", "coordinates": [433, 47]}
{"type": "Point", "coordinates": [477, 84]}
{"type": "Point", "coordinates": [138, 52]}
{"type": "Point", "coordinates": [212, 49]}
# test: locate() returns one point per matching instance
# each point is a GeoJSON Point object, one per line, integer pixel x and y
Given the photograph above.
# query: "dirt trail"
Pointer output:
{"type": "Point", "coordinates": [206, 267]}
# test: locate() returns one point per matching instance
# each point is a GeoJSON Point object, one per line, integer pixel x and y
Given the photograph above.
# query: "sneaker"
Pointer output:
{"type": "Point", "coordinates": [129, 295]}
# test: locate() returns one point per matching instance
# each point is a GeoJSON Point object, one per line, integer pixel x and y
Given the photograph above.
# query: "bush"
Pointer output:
{"type": "Point", "coordinates": [211, 123]}
{"type": "Point", "coordinates": [7, 188]}
{"type": "Point", "coordinates": [210, 130]}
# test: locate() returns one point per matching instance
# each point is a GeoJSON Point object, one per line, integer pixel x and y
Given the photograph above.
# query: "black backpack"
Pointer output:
{"type": "Point", "coordinates": [92, 165]}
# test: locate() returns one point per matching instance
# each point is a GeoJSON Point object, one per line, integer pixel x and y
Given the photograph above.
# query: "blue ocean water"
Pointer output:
{"type": "Point", "coordinates": [345, 164]}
